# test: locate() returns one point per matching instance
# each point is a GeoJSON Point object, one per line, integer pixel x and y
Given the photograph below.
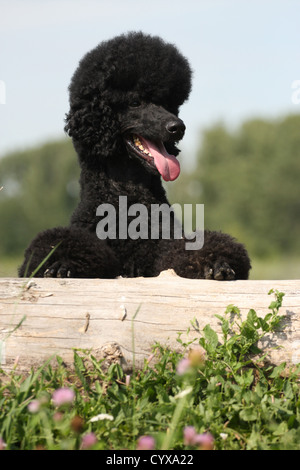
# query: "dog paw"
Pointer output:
{"type": "Point", "coordinates": [220, 271]}
{"type": "Point", "coordinates": [58, 269]}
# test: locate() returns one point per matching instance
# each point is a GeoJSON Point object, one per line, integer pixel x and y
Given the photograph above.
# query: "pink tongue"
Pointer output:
{"type": "Point", "coordinates": [167, 165]}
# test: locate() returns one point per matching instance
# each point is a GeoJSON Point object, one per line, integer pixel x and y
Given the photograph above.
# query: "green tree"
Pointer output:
{"type": "Point", "coordinates": [40, 190]}
{"type": "Point", "coordinates": [248, 180]}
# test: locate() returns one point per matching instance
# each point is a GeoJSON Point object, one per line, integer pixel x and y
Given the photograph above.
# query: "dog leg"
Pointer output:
{"type": "Point", "coordinates": [69, 252]}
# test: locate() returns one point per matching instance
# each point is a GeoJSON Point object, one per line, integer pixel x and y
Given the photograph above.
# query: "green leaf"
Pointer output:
{"type": "Point", "coordinates": [245, 379]}
{"type": "Point", "coordinates": [277, 370]}
{"type": "Point", "coordinates": [254, 320]}
{"type": "Point", "coordinates": [281, 429]}
{"type": "Point", "coordinates": [248, 414]}
{"type": "Point", "coordinates": [233, 309]}
{"type": "Point", "coordinates": [211, 336]}
{"type": "Point", "coordinates": [80, 370]}
{"type": "Point", "coordinates": [224, 325]}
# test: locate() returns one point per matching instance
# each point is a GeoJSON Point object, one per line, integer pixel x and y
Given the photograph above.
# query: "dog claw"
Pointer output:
{"type": "Point", "coordinates": [49, 273]}
{"type": "Point", "coordinates": [224, 273]}
{"type": "Point", "coordinates": [221, 271]}
{"type": "Point", "coordinates": [63, 272]}
{"type": "Point", "coordinates": [58, 270]}
{"type": "Point", "coordinates": [208, 273]}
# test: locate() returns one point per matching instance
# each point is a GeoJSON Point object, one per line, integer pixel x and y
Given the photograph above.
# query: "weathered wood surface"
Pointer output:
{"type": "Point", "coordinates": [98, 314]}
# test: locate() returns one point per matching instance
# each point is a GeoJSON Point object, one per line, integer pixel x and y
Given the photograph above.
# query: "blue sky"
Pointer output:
{"type": "Point", "coordinates": [245, 56]}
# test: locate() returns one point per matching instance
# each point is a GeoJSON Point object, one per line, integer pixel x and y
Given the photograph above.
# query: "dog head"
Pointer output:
{"type": "Point", "coordinates": [126, 93]}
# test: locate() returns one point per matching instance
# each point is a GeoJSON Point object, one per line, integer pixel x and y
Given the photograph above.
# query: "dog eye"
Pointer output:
{"type": "Point", "coordinates": [135, 104]}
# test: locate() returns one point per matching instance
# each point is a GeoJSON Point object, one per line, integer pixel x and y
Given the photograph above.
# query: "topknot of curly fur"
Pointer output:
{"type": "Point", "coordinates": [135, 63]}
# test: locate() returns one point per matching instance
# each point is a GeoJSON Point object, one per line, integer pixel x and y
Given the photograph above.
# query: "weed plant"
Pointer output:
{"type": "Point", "coordinates": [216, 394]}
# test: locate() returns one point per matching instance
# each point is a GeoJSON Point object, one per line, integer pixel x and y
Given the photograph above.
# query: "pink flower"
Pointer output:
{"type": "Point", "coordinates": [2, 444]}
{"type": "Point", "coordinates": [189, 435]}
{"type": "Point", "coordinates": [205, 441]}
{"type": "Point", "coordinates": [62, 396]}
{"type": "Point", "coordinates": [58, 416]}
{"type": "Point", "coordinates": [34, 406]}
{"type": "Point", "coordinates": [145, 443]}
{"type": "Point", "coordinates": [88, 440]}
{"type": "Point", "coordinates": [127, 380]}
{"type": "Point", "coordinates": [183, 366]}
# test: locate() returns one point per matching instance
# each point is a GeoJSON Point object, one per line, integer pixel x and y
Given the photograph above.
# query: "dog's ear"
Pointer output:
{"type": "Point", "coordinates": [93, 127]}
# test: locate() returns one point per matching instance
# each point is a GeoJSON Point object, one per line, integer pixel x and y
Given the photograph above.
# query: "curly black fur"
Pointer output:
{"type": "Point", "coordinates": [132, 85]}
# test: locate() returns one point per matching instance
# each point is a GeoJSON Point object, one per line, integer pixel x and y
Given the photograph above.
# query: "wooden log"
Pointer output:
{"type": "Point", "coordinates": [40, 318]}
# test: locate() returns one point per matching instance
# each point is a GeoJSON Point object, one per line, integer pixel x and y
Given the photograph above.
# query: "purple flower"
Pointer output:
{"type": "Point", "coordinates": [205, 441]}
{"type": "Point", "coordinates": [183, 366]}
{"type": "Point", "coordinates": [34, 406]}
{"type": "Point", "coordinates": [145, 443]}
{"type": "Point", "coordinates": [62, 396]}
{"type": "Point", "coordinates": [189, 435]}
{"type": "Point", "coordinates": [88, 440]}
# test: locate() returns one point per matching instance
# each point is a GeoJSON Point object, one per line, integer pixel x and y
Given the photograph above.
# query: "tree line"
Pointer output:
{"type": "Point", "coordinates": [247, 179]}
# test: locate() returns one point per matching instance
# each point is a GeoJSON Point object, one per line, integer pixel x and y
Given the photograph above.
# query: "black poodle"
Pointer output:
{"type": "Point", "coordinates": [124, 101]}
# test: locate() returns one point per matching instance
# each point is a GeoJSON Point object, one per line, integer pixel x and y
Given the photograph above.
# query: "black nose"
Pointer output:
{"type": "Point", "coordinates": [175, 128]}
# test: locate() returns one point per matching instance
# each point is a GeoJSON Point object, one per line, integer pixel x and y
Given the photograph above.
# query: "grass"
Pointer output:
{"type": "Point", "coordinates": [284, 267]}
{"type": "Point", "coordinates": [9, 265]}
{"type": "Point", "coordinates": [214, 395]}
